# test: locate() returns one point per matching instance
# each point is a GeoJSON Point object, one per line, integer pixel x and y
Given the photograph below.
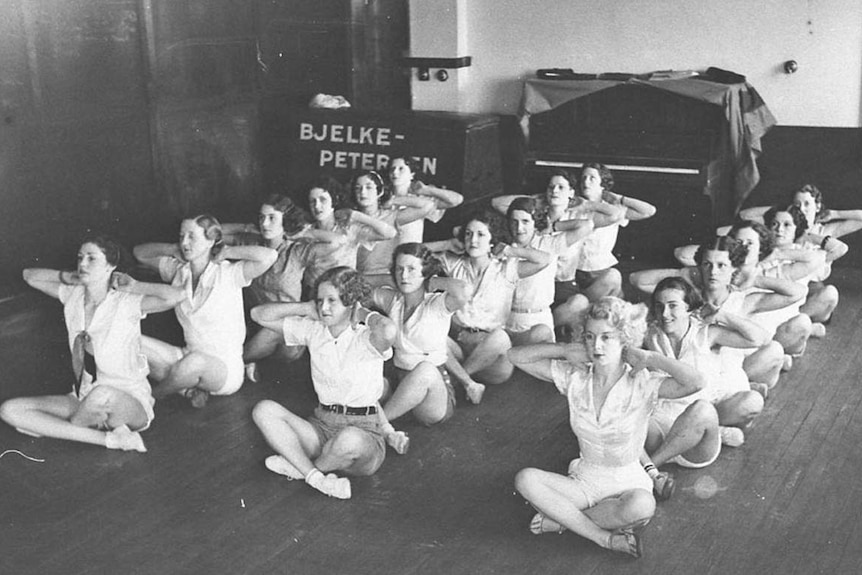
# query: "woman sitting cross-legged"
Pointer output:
{"type": "Point", "coordinates": [478, 338]}
{"type": "Point", "coordinates": [212, 276]}
{"type": "Point", "coordinates": [347, 345]}
{"type": "Point", "coordinates": [422, 308]}
{"type": "Point", "coordinates": [686, 431]}
{"type": "Point", "coordinates": [611, 386]}
{"type": "Point", "coordinates": [111, 401]}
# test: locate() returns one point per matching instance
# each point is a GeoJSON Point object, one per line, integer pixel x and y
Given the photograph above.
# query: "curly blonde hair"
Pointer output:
{"type": "Point", "coordinates": [628, 318]}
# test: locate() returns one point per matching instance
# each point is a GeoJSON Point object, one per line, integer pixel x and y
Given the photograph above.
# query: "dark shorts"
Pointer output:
{"type": "Point", "coordinates": [327, 425]}
{"type": "Point", "coordinates": [398, 374]}
{"type": "Point", "coordinates": [563, 291]}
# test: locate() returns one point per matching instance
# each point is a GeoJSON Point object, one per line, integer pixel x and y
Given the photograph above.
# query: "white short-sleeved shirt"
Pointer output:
{"type": "Point", "coordinates": [723, 378]}
{"type": "Point", "coordinates": [345, 370]}
{"type": "Point", "coordinates": [536, 292]}
{"type": "Point", "coordinates": [491, 290]}
{"type": "Point", "coordinates": [424, 335]}
{"type": "Point", "coordinates": [115, 336]}
{"type": "Point", "coordinates": [375, 258]}
{"type": "Point", "coordinates": [212, 315]}
{"type": "Point", "coordinates": [569, 257]}
{"type": "Point", "coordinates": [597, 252]}
{"type": "Point", "coordinates": [615, 437]}
{"type": "Point", "coordinates": [415, 231]}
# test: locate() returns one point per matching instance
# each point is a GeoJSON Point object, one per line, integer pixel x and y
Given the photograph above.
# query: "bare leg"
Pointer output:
{"type": "Point", "coordinates": [793, 334]}
{"type": "Point", "coordinates": [289, 435]}
{"type": "Point", "coordinates": [422, 391]}
{"type": "Point", "coordinates": [266, 343]}
{"type": "Point", "coordinates": [474, 389]}
{"type": "Point", "coordinates": [194, 370]}
{"type": "Point", "coordinates": [569, 313]}
{"type": "Point", "coordinates": [693, 435]}
{"type": "Point", "coordinates": [821, 302]}
{"type": "Point", "coordinates": [353, 451]}
{"type": "Point", "coordinates": [537, 334]}
{"type": "Point", "coordinates": [562, 500]}
{"type": "Point", "coordinates": [740, 409]}
{"type": "Point", "coordinates": [489, 360]}
{"type": "Point", "coordinates": [609, 282]}
{"type": "Point", "coordinates": [764, 365]}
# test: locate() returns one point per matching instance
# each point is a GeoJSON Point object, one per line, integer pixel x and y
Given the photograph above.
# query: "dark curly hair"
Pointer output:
{"type": "Point", "coordinates": [431, 266]}
{"type": "Point", "coordinates": [767, 238]}
{"type": "Point", "coordinates": [735, 249]}
{"type": "Point", "coordinates": [351, 286]}
{"type": "Point", "coordinates": [408, 161]}
{"type": "Point", "coordinates": [115, 253]}
{"type": "Point", "coordinates": [384, 194]}
{"type": "Point", "coordinates": [212, 231]}
{"type": "Point", "coordinates": [795, 213]}
{"type": "Point", "coordinates": [533, 207]}
{"type": "Point", "coordinates": [690, 297]}
{"type": "Point", "coordinates": [294, 218]}
{"type": "Point", "coordinates": [331, 186]}
{"type": "Point", "coordinates": [495, 222]}
{"type": "Point", "coordinates": [604, 173]}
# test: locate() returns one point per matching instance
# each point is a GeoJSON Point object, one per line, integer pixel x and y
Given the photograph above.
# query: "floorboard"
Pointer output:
{"type": "Point", "coordinates": [201, 501]}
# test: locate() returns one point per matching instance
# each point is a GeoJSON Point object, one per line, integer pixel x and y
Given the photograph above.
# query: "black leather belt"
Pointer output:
{"type": "Point", "coordinates": [347, 410]}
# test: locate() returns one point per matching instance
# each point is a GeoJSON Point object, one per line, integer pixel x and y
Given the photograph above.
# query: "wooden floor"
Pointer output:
{"type": "Point", "coordinates": [201, 501]}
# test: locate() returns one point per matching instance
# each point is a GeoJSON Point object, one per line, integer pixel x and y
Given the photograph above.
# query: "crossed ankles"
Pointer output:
{"type": "Point", "coordinates": [124, 438]}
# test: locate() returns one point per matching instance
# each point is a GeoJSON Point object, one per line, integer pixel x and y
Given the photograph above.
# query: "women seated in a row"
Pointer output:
{"type": "Point", "coordinates": [491, 269]}
{"type": "Point", "coordinates": [110, 401]}
{"type": "Point", "coordinates": [211, 276]}
{"type": "Point", "coordinates": [690, 431]}
{"type": "Point", "coordinates": [610, 385]}
{"type": "Point", "coordinates": [586, 269]}
{"type": "Point", "coordinates": [718, 262]}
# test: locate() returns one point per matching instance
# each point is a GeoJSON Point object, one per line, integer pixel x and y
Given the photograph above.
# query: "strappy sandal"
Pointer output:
{"type": "Point", "coordinates": [629, 539]}
{"type": "Point", "coordinates": [540, 525]}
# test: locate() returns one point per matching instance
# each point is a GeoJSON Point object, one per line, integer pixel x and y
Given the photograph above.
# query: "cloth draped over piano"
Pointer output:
{"type": "Point", "coordinates": [748, 120]}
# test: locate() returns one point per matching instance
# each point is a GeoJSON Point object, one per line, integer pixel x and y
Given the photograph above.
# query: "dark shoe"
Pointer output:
{"type": "Point", "coordinates": [197, 397]}
{"type": "Point", "coordinates": [663, 485]}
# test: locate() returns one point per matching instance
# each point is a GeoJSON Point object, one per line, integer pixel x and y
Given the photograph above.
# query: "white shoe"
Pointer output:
{"type": "Point", "coordinates": [731, 436]}
{"type": "Point", "coordinates": [475, 391]}
{"type": "Point", "coordinates": [331, 485]}
{"type": "Point", "coordinates": [124, 438]}
{"type": "Point", "coordinates": [251, 372]}
{"type": "Point", "coordinates": [280, 465]}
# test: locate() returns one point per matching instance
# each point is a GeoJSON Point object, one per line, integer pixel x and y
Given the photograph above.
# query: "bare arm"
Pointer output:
{"type": "Point", "coordinates": [451, 245]}
{"type": "Point", "coordinates": [573, 230]}
{"type": "Point", "coordinates": [536, 359]}
{"type": "Point", "coordinates": [255, 259]}
{"type": "Point", "coordinates": [457, 291]}
{"type": "Point", "coordinates": [150, 254]}
{"type": "Point", "coordinates": [781, 293]}
{"type": "Point", "coordinates": [602, 213]}
{"type": "Point", "coordinates": [272, 315]}
{"type": "Point", "coordinates": [412, 208]}
{"type": "Point", "coordinates": [833, 247]}
{"type": "Point", "coordinates": [798, 264]}
{"type": "Point", "coordinates": [839, 223]}
{"type": "Point", "coordinates": [380, 230]}
{"type": "Point", "coordinates": [443, 198]}
{"type": "Point", "coordinates": [684, 379]}
{"type": "Point", "coordinates": [501, 203]}
{"type": "Point", "coordinates": [753, 214]}
{"type": "Point", "coordinates": [645, 280]}
{"type": "Point", "coordinates": [382, 329]}
{"type": "Point", "coordinates": [635, 209]}
{"type": "Point", "coordinates": [48, 281]}
{"type": "Point", "coordinates": [158, 297]}
{"type": "Point", "coordinates": [532, 261]}
{"type": "Point", "coordinates": [733, 330]}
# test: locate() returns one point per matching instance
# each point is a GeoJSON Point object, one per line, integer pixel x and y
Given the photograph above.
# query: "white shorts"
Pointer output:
{"type": "Point", "coordinates": [664, 417]}
{"type": "Point", "coordinates": [599, 482]}
{"type": "Point", "coordinates": [235, 370]}
{"type": "Point", "coordinates": [519, 322]}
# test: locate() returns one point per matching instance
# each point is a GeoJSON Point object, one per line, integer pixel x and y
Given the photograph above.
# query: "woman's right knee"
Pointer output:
{"type": "Point", "coordinates": [525, 480]}
{"type": "Point", "coordinates": [266, 410]}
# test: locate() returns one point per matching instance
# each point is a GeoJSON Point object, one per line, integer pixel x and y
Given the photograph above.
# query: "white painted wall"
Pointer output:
{"type": "Point", "coordinates": [510, 39]}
